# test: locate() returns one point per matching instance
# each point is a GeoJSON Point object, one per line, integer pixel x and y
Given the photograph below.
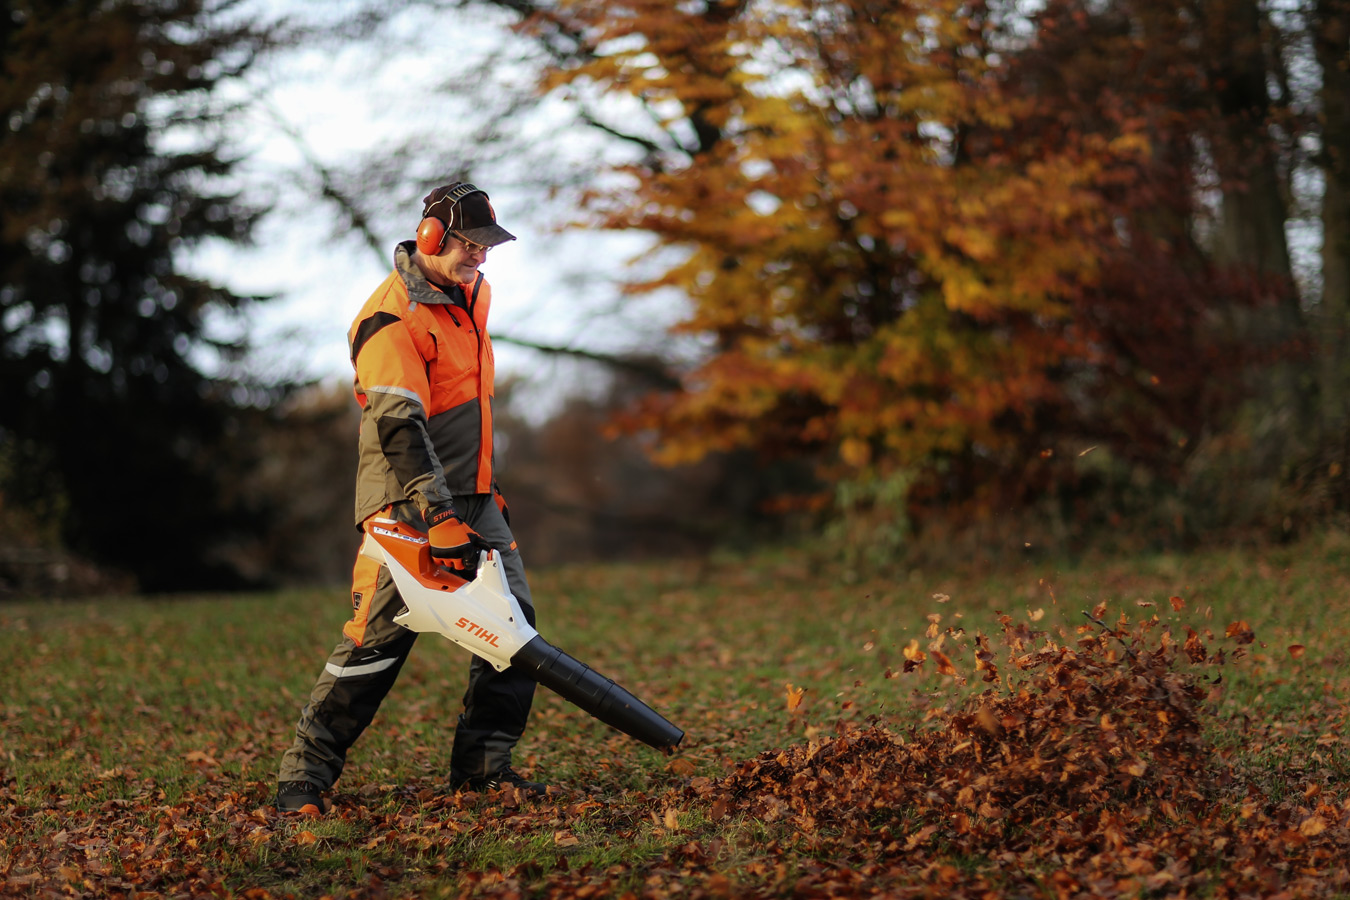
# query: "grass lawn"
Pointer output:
{"type": "Point", "coordinates": [139, 739]}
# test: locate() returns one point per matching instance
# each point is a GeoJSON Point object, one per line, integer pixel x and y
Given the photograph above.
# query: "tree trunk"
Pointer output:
{"type": "Point", "coordinates": [1332, 38]}
{"type": "Point", "coordinates": [1251, 229]}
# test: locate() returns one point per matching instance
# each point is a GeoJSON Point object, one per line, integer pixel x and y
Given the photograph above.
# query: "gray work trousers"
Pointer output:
{"type": "Point", "coordinates": [364, 665]}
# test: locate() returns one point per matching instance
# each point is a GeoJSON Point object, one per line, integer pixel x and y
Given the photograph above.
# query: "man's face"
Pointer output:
{"type": "Point", "coordinates": [458, 261]}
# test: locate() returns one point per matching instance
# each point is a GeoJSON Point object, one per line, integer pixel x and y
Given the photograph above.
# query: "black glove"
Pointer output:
{"type": "Point", "coordinates": [453, 543]}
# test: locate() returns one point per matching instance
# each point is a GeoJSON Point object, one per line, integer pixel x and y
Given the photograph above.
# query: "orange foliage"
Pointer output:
{"type": "Point", "coordinates": [895, 247]}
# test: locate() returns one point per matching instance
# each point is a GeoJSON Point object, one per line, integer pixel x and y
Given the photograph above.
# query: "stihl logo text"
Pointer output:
{"type": "Point", "coordinates": [477, 631]}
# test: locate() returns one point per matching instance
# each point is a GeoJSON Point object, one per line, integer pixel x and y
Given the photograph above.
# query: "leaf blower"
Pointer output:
{"type": "Point", "coordinates": [484, 617]}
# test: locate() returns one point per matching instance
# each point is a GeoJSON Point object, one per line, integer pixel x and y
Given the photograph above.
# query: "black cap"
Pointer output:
{"type": "Point", "coordinates": [465, 210]}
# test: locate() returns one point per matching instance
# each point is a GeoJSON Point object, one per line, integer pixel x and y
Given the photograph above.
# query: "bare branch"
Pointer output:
{"type": "Point", "coordinates": [655, 372]}
{"type": "Point", "coordinates": [328, 185]}
{"type": "Point", "coordinates": [653, 149]}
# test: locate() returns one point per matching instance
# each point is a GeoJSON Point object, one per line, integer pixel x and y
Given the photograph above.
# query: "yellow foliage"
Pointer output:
{"type": "Point", "coordinates": [879, 267]}
{"type": "Point", "coordinates": [855, 452]}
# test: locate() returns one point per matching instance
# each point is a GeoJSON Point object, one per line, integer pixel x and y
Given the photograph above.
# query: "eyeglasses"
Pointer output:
{"type": "Point", "coordinates": [472, 247]}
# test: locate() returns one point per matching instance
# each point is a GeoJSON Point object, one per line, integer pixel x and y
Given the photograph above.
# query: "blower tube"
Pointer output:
{"type": "Point", "coordinates": [600, 696]}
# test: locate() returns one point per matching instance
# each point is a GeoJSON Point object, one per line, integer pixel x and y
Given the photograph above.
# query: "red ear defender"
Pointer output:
{"type": "Point", "coordinates": [430, 236]}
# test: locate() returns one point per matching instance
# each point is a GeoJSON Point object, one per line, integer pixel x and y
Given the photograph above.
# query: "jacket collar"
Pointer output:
{"type": "Point", "coordinates": [419, 289]}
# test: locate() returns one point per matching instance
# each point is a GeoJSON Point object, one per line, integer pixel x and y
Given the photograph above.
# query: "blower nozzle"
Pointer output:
{"type": "Point", "coordinates": [600, 696]}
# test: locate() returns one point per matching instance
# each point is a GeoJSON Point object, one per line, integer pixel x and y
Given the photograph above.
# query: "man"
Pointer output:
{"type": "Point", "coordinates": [424, 372]}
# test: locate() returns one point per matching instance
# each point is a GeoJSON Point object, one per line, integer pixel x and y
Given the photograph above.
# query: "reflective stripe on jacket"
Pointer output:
{"type": "Point", "coordinates": [424, 374]}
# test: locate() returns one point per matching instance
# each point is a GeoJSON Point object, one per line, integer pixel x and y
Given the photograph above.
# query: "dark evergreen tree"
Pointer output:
{"type": "Point", "coordinates": [118, 399]}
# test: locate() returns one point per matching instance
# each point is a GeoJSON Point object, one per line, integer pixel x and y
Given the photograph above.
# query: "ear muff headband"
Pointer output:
{"type": "Point", "coordinates": [457, 193]}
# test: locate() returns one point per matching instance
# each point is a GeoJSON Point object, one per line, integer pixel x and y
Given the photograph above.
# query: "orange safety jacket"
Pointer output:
{"type": "Point", "coordinates": [424, 373]}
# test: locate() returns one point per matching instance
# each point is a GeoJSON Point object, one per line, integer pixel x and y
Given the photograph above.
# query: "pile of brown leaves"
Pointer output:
{"type": "Point", "coordinates": [1092, 779]}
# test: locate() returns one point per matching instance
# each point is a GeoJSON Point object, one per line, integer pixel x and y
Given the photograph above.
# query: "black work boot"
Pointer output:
{"type": "Point", "coordinates": [507, 777]}
{"type": "Point", "coordinates": [299, 796]}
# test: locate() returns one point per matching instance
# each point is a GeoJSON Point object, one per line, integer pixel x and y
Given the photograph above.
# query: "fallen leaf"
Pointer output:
{"type": "Point", "coordinates": [680, 767]}
{"type": "Point", "coordinates": [565, 839]}
{"type": "Point", "coordinates": [306, 838]}
{"type": "Point", "coordinates": [913, 653]}
{"type": "Point", "coordinates": [1312, 826]}
{"type": "Point", "coordinates": [918, 837]}
{"type": "Point", "coordinates": [1177, 603]}
{"type": "Point", "coordinates": [671, 819]}
{"type": "Point", "coordinates": [1296, 651]}
{"type": "Point", "coordinates": [794, 697]}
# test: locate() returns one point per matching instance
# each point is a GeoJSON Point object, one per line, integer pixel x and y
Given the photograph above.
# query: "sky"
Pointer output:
{"type": "Point", "coordinates": [338, 105]}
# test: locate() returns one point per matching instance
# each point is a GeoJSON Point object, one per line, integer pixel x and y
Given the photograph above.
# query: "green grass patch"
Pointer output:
{"type": "Point", "coordinates": [139, 738]}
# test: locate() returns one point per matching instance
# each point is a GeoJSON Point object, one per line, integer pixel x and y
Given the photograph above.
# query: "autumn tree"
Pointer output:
{"type": "Point", "coordinates": [944, 249]}
{"type": "Point", "coordinates": [1249, 99]}
{"type": "Point", "coordinates": [113, 164]}
{"type": "Point", "coordinates": [1189, 124]}
{"type": "Point", "coordinates": [898, 252]}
